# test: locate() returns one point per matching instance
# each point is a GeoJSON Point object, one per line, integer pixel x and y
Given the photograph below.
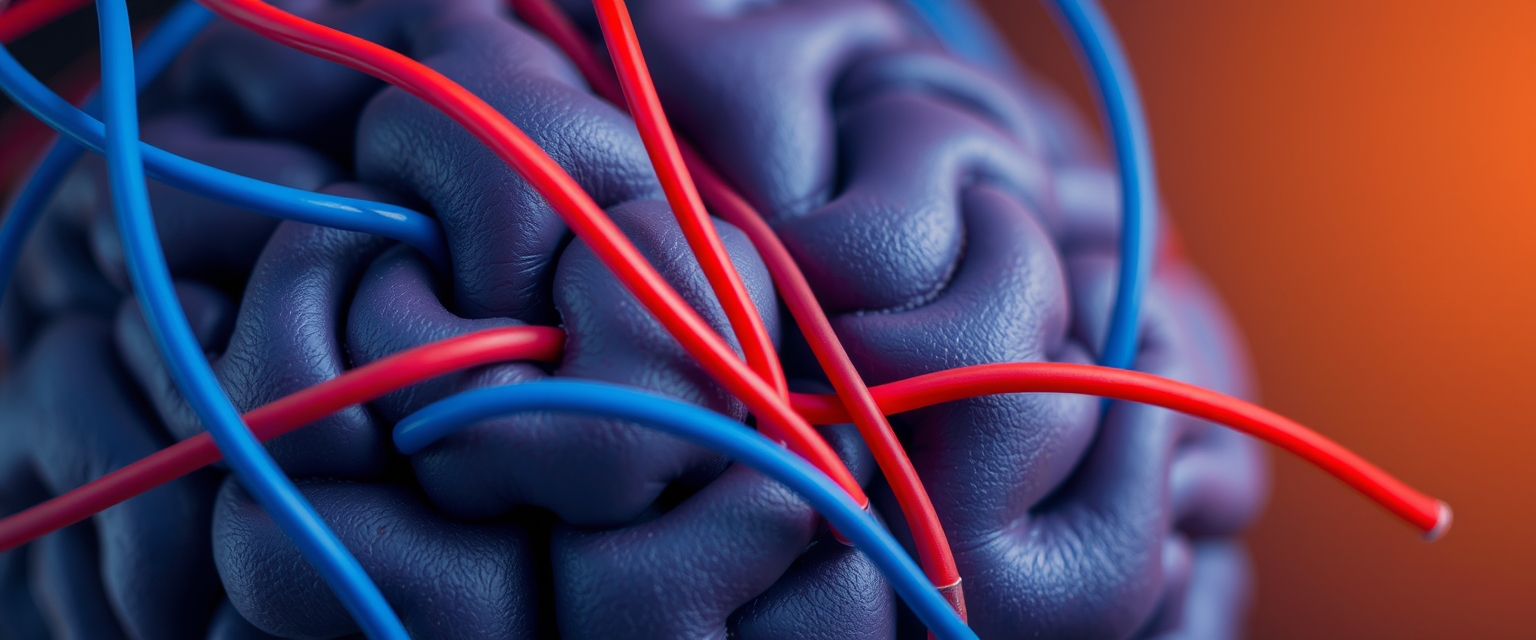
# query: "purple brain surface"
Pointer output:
{"type": "Point", "coordinates": [945, 216]}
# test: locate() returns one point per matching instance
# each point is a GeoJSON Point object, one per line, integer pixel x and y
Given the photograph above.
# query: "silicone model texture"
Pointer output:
{"type": "Point", "coordinates": [945, 215]}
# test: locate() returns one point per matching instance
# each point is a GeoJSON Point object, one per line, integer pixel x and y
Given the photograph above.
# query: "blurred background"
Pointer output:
{"type": "Point", "coordinates": [1359, 180]}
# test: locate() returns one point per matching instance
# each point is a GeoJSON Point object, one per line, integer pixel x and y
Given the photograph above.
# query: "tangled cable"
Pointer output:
{"type": "Point", "coordinates": [759, 381]}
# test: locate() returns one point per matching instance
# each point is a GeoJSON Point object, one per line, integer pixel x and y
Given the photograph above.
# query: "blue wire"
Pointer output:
{"type": "Point", "coordinates": [352, 214]}
{"type": "Point", "coordinates": [1120, 100]}
{"type": "Point", "coordinates": [708, 429]}
{"type": "Point", "coordinates": [962, 31]}
{"type": "Point", "coordinates": [162, 45]}
{"type": "Point", "coordinates": [151, 278]}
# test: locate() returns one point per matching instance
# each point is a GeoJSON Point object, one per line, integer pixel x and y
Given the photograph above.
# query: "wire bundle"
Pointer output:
{"type": "Point", "coordinates": [759, 381]}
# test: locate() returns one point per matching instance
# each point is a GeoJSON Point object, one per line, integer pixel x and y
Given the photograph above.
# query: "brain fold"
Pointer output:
{"type": "Point", "coordinates": [945, 215]}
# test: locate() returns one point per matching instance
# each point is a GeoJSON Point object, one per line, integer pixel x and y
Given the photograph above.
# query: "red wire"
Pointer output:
{"type": "Point", "coordinates": [359, 385]}
{"type": "Point", "coordinates": [496, 345]}
{"type": "Point", "coordinates": [651, 120]}
{"type": "Point", "coordinates": [580, 213]}
{"type": "Point", "coordinates": [549, 20]}
{"type": "Point", "coordinates": [27, 17]}
{"type": "Point", "coordinates": [1420, 510]}
{"type": "Point", "coordinates": [544, 344]}
{"type": "Point", "coordinates": [928, 533]}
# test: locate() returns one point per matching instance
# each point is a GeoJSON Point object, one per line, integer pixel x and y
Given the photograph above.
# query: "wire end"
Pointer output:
{"type": "Point", "coordinates": [955, 596]}
{"type": "Point", "coordinates": [1442, 523]}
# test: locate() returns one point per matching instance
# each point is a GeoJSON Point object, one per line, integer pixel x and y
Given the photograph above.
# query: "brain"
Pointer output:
{"type": "Point", "coordinates": [944, 214]}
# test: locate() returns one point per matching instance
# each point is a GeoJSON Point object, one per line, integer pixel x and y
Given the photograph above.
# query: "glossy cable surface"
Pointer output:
{"type": "Point", "coordinates": [1115, 88]}
{"type": "Point", "coordinates": [356, 386]}
{"type": "Point", "coordinates": [544, 343]}
{"type": "Point", "coordinates": [575, 207]}
{"type": "Point", "coordinates": [151, 278]}
{"type": "Point", "coordinates": [711, 430]}
{"type": "Point", "coordinates": [1429, 515]}
{"type": "Point", "coordinates": [929, 539]}
{"type": "Point", "coordinates": [683, 195]}
{"type": "Point", "coordinates": [352, 214]}
{"type": "Point", "coordinates": [938, 387]}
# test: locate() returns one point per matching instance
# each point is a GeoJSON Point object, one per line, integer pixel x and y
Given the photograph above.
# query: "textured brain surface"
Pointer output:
{"type": "Point", "coordinates": [945, 215]}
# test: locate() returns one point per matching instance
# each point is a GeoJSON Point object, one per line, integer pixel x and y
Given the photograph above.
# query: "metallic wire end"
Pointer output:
{"type": "Point", "coordinates": [1442, 524]}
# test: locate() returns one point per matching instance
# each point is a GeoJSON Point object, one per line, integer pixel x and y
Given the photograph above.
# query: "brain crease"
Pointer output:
{"type": "Point", "coordinates": [921, 196]}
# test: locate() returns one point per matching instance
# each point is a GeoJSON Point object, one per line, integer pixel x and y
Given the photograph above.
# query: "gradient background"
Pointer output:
{"type": "Point", "coordinates": [1359, 180]}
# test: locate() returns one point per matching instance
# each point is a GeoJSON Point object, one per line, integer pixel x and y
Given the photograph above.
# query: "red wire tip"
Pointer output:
{"type": "Point", "coordinates": [1442, 523]}
{"type": "Point", "coordinates": [955, 596]}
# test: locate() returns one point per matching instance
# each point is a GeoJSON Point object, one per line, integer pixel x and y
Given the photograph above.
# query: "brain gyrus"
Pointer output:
{"type": "Point", "coordinates": [944, 215]}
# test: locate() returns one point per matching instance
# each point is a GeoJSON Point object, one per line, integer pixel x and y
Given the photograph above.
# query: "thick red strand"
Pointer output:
{"type": "Point", "coordinates": [651, 120]}
{"type": "Point", "coordinates": [1422, 511]}
{"type": "Point", "coordinates": [928, 532]}
{"type": "Point", "coordinates": [359, 385]}
{"type": "Point", "coordinates": [580, 213]}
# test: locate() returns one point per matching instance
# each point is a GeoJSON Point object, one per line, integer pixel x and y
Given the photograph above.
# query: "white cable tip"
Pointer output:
{"type": "Point", "coordinates": [1442, 523]}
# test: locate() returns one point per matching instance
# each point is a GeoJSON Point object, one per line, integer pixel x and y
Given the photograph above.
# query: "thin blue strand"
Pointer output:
{"type": "Point", "coordinates": [162, 45]}
{"type": "Point", "coordinates": [1120, 100]}
{"type": "Point", "coordinates": [708, 429]}
{"type": "Point", "coordinates": [253, 467]}
{"type": "Point", "coordinates": [962, 31]}
{"type": "Point", "coordinates": [352, 214]}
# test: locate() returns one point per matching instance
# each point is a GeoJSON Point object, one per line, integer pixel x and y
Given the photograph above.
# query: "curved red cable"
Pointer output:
{"type": "Point", "coordinates": [933, 551]}
{"type": "Point", "coordinates": [580, 213]}
{"type": "Point", "coordinates": [651, 120]}
{"type": "Point", "coordinates": [1422, 511]}
{"type": "Point", "coordinates": [539, 343]}
{"type": "Point", "coordinates": [544, 344]}
{"type": "Point", "coordinates": [359, 385]}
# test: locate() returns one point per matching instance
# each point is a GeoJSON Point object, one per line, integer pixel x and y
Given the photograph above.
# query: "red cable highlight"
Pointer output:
{"type": "Point", "coordinates": [359, 385]}
{"type": "Point", "coordinates": [1422, 511]}
{"type": "Point", "coordinates": [32, 15]}
{"type": "Point", "coordinates": [544, 344]}
{"type": "Point", "coordinates": [580, 213]}
{"type": "Point", "coordinates": [929, 538]}
{"type": "Point", "coordinates": [651, 120]}
{"type": "Point", "coordinates": [404, 369]}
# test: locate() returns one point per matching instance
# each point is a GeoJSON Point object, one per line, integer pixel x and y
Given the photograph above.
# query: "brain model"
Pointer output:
{"type": "Point", "coordinates": [944, 214]}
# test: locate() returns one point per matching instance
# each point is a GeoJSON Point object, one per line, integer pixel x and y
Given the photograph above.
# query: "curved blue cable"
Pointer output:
{"type": "Point", "coordinates": [709, 429]}
{"type": "Point", "coordinates": [162, 45]}
{"type": "Point", "coordinates": [1120, 100]}
{"type": "Point", "coordinates": [151, 278]}
{"type": "Point", "coordinates": [390, 221]}
{"type": "Point", "coordinates": [1115, 87]}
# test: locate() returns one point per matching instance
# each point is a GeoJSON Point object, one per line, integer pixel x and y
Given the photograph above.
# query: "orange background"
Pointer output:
{"type": "Point", "coordinates": [1359, 180]}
